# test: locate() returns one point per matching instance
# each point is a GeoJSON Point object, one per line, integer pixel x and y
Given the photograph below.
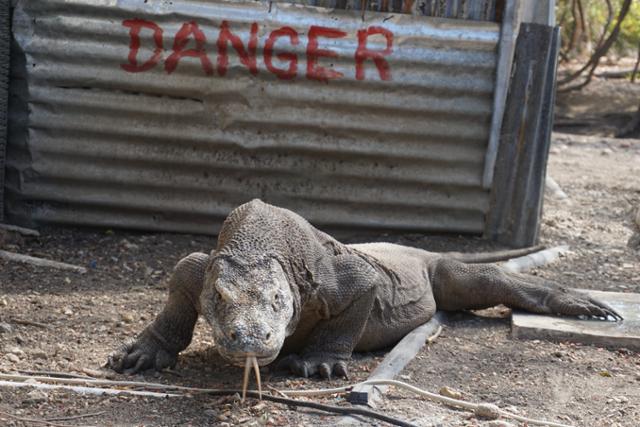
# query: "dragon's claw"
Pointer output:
{"type": "Point", "coordinates": [325, 365]}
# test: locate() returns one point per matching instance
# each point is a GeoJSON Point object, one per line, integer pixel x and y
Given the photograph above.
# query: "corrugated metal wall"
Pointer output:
{"type": "Point", "coordinates": [97, 145]}
{"type": "Point", "coordinates": [475, 10]}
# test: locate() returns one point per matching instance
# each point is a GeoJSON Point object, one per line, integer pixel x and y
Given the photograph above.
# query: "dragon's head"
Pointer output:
{"type": "Point", "coordinates": [249, 306]}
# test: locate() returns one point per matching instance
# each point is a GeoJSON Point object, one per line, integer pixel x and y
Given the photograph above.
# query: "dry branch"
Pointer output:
{"type": "Point", "coordinates": [40, 262]}
{"type": "Point", "coordinates": [597, 55]}
{"type": "Point", "coordinates": [33, 420]}
{"type": "Point", "coordinates": [20, 230]}
{"type": "Point", "coordinates": [29, 323]}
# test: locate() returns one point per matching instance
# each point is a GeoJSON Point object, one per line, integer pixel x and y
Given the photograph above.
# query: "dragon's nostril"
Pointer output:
{"type": "Point", "coordinates": [234, 336]}
{"type": "Point", "coordinates": [268, 337]}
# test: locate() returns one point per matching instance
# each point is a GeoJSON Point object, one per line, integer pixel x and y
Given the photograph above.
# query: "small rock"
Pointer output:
{"type": "Point", "coordinates": [39, 354]}
{"type": "Point", "coordinates": [3, 302]}
{"type": "Point", "coordinates": [67, 311]}
{"type": "Point", "coordinates": [449, 392]}
{"type": "Point", "coordinates": [13, 358]}
{"type": "Point", "coordinates": [210, 412]}
{"type": "Point", "coordinates": [36, 396]}
{"type": "Point", "coordinates": [127, 317]}
{"type": "Point", "coordinates": [5, 328]}
{"type": "Point", "coordinates": [128, 245]}
{"type": "Point", "coordinates": [17, 351]}
{"type": "Point", "coordinates": [606, 152]}
{"type": "Point", "coordinates": [259, 407]}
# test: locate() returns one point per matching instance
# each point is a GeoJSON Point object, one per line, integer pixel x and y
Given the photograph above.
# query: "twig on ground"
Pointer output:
{"type": "Point", "coordinates": [480, 409]}
{"type": "Point", "coordinates": [76, 417]}
{"type": "Point", "coordinates": [98, 391]}
{"type": "Point", "coordinates": [20, 230]}
{"type": "Point", "coordinates": [172, 372]}
{"type": "Point", "coordinates": [275, 390]}
{"type": "Point", "coordinates": [32, 420]}
{"type": "Point", "coordinates": [28, 323]}
{"type": "Point", "coordinates": [344, 410]}
{"type": "Point", "coordinates": [55, 374]}
{"type": "Point", "coordinates": [40, 262]}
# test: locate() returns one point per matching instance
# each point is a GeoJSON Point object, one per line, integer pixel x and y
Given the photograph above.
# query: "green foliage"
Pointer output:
{"type": "Point", "coordinates": [578, 40]}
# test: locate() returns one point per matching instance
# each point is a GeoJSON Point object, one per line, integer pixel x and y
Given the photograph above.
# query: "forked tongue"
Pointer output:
{"type": "Point", "coordinates": [251, 362]}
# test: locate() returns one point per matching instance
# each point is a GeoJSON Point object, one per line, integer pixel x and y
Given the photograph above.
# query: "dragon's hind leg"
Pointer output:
{"type": "Point", "coordinates": [460, 286]}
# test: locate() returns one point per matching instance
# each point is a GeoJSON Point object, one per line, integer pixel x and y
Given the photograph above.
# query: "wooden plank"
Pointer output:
{"type": "Point", "coordinates": [394, 363]}
{"type": "Point", "coordinates": [625, 334]}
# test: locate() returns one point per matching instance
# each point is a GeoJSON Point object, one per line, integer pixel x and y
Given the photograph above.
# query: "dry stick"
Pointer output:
{"type": "Point", "coordinates": [76, 417]}
{"type": "Point", "coordinates": [275, 390]}
{"type": "Point", "coordinates": [20, 230]}
{"type": "Point", "coordinates": [55, 374]}
{"type": "Point", "coordinates": [480, 409]}
{"type": "Point", "coordinates": [28, 323]}
{"type": "Point", "coordinates": [40, 262]}
{"type": "Point", "coordinates": [343, 410]}
{"type": "Point", "coordinates": [98, 391]}
{"type": "Point", "coordinates": [33, 420]}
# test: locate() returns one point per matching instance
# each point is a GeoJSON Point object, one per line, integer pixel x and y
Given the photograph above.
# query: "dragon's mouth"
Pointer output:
{"type": "Point", "coordinates": [239, 358]}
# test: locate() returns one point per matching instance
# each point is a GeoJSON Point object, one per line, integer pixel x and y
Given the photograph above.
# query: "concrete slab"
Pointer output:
{"type": "Point", "coordinates": [596, 332]}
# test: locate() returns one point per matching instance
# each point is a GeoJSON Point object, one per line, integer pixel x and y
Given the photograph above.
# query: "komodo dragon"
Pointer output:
{"type": "Point", "coordinates": [277, 285]}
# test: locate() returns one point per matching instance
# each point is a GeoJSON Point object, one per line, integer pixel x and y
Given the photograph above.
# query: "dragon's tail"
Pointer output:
{"type": "Point", "coordinates": [486, 257]}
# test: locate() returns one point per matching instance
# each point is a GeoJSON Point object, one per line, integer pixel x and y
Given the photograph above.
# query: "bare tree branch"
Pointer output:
{"type": "Point", "coordinates": [600, 51]}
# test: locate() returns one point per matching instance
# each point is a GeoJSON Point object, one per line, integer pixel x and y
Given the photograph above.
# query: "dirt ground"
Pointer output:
{"type": "Point", "coordinates": [81, 318]}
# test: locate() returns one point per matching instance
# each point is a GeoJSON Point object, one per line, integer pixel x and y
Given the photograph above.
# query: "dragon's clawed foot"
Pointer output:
{"type": "Point", "coordinates": [572, 303]}
{"type": "Point", "coordinates": [323, 364]}
{"type": "Point", "coordinates": [139, 354]}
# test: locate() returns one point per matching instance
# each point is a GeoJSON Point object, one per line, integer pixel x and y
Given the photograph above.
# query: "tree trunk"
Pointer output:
{"type": "Point", "coordinates": [632, 130]}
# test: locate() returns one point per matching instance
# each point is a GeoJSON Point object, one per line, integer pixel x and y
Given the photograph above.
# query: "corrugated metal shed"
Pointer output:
{"type": "Point", "coordinates": [97, 145]}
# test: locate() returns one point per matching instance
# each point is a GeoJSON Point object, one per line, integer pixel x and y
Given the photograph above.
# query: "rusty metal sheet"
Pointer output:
{"type": "Point", "coordinates": [130, 114]}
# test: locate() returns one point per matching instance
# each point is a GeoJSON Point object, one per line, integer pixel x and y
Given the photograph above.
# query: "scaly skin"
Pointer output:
{"type": "Point", "coordinates": [275, 285]}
